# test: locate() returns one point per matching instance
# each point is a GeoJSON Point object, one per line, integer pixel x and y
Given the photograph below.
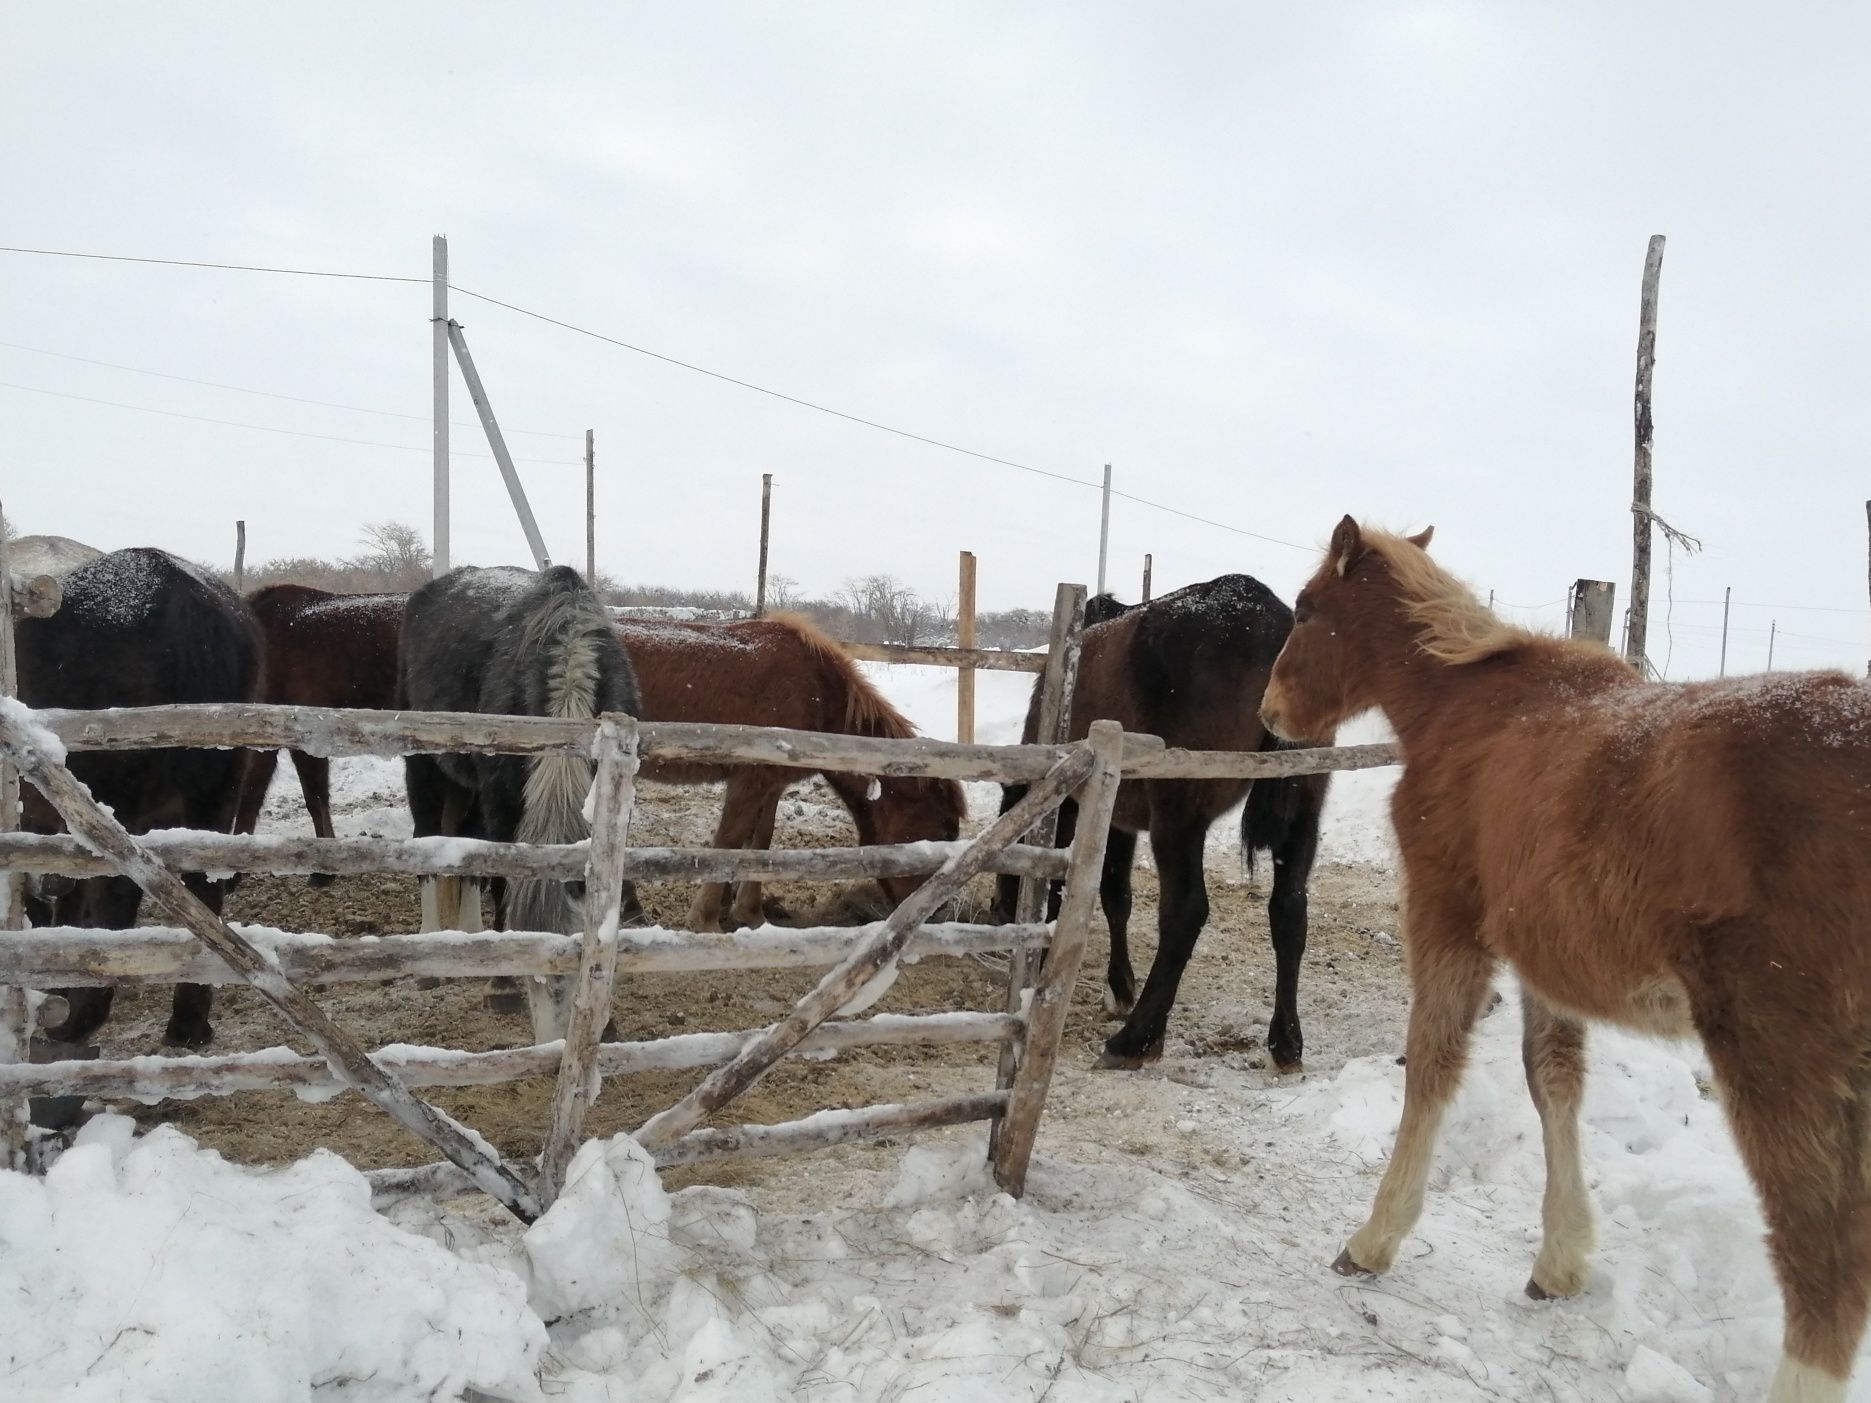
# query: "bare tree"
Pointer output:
{"type": "Point", "coordinates": [783, 592]}
{"type": "Point", "coordinates": [395, 551]}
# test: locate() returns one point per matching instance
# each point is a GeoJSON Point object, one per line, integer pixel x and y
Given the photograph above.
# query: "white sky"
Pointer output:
{"type": "Point", "coordinates": [1274, 262]}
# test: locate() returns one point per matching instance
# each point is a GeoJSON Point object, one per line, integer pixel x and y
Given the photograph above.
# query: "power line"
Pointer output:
{"type": "Point", "coordinates": [257, 428]}
{"type": "Point", "coordinates": [225, 267]}
{"type": "Point", "coordinates": [271, 394]}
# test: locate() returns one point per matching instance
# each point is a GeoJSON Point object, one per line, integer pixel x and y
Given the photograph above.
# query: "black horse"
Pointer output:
{"type": "Point", "coordinates": [1190, 667]}
{"type": "Point", "coordinates": [139, 628]}
{"type": "Point", "coordinates": [513, 643]}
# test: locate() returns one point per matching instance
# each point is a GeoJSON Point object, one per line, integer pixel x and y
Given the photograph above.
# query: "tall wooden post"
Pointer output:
{"type": "Point", "coordinates": [498, 442]}
{"type": "Point", "coordinates": [766, 519]}
{"type": "Point", "coordinates": [1593, 606]}
{"type": "Point", "coordinates": [15, 1010]}
{"type": "Point", "coordinates": [965, 637]}
{"type": "Point", "coordinates": [1640, 484]}
{"type": "Point", "coordinates": [591, 510]}
{"type": "Point", "coordinates": [438, 328]}
{"type": "Point", "coordinates": [240, 557]}
{"type": "Point", "coordinates": [1147, 562]}
{"type": "Point", "coordinates": [1773, 631]}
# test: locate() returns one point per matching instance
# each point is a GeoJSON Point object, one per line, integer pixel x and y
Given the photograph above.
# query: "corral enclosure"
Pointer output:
{"type": "Point", "coordinates": [1175, 1238]}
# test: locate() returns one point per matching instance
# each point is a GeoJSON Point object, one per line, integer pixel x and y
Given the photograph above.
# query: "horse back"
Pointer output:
{"type": "Point", "coordinates": [1642, 832]}
{"type": "Point", "coordinates": [327, 649]}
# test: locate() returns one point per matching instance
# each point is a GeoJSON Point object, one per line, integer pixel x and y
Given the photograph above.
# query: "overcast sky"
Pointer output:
{"type": "Point", "coordinates": [1273, 262]}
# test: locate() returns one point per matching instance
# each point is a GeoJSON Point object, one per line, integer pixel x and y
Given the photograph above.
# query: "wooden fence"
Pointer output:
{"type": "Point", "coordinates": [201, 947]}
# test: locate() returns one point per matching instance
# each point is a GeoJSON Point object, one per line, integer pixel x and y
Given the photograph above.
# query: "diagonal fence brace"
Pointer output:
{"type": "Point", "coordinates": [841, 984]}
{"type": "Point", "coordinates": [349, 1063]}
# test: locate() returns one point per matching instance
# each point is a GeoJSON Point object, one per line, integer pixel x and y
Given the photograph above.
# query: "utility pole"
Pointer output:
{"type": "Point", "coordinates": [1727, 591]}
{"type": "Point", "coordinates": [438, 329]}
{"type": "Point", "coordinates": [1638, 634]}
{"type": "Point", "coordinates": [1104, 527]}
{"type": "Point", "coordinates": [591, 511]}
{"type": "Point", "coordinates": [1773, 629]}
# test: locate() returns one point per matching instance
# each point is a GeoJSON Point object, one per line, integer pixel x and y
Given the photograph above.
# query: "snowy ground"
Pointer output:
{"type": "Point", "coordinates": [1173, 1245]}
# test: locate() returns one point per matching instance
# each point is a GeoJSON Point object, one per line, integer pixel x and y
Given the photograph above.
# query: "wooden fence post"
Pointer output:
{"type": "Point", "coordinates": [1052, 999]}
{"type": "Point", "coordinates": [614, 790]}
{"type": "Point", "coordinates": [1055, 723]}
{"type": "Point", "coordinates": [100, 831]}
{"type": "Point", "coordinates": [964, 637]}
{"type": "Point", "coordinates": [1593, 607]}
{"type": "Point", "coordinates": [766, 517]}
{"type": "Point", "coordinates": [240, 557]}
{"type": "Point", "coordinates": [1148, 563]}
{"type": "Point", "coordinates": [1638, 634]}
{"type": "Point", "coordinates": [15, 1004]}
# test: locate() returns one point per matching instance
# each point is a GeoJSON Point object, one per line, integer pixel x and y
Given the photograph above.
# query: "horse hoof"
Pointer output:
{"type": "Point", "coordinates": [1295, 1068]}
{"type": "Point", "coordinates": [1537, 1292]}
{"type": "Point", "coordinates": [1118, 1006]}
{"type": "Point", "coordinates": [1117, 1062]}
{"type": "Point", "coordinates": [504, 1001]}
{"type": "Point", "coordinates": [190, 1033]}
{"type": "Point", "coordinates": [1346, 1266]}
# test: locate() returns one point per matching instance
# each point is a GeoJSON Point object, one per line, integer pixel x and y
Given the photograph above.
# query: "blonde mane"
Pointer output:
{"type": "Point", "coordinates": [1457, 627]}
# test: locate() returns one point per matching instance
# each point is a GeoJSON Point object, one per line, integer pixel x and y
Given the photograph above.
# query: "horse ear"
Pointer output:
{"type": "Point", "coordinates": [1421, 539]}
{"type": "Point", "coordinates": [1347, 547]}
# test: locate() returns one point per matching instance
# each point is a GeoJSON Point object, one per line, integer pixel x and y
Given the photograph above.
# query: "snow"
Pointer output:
{"type": "Point", "coordinates": [154, 1270]}
{"type": "Point", "coordinates": [36, 736]}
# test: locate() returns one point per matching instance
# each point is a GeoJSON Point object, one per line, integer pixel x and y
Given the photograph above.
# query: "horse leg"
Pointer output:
{"type": "Point", "coordinates": [1552, 1047]}
{"type": "Point", "coordinates": [1065, 828]}
{"type": "Point", "coordinates": [258, 779]}
{"type": "Point", "coordinates": [1120, 856]}
{"type": "Point", "coordinates": [1176, 843]}
{"type": "Point", "coordinates": [1450, 972]}
{"type": "Point", "coordinates": [191, 1004]}
{"type": "Point", "coordinates": [315, 785]}
{"type": "Point", "coordinates": [1007, 886]}
{"type": "Point", "coordinates": [732, 831]}
{"type": "Point", "coordinates": [97, 903]}
{"type": "Point", "coordinates": [749, 907]}
{"type": "Point", "coordinates": [1286, 922]}
{"type": "Point", "coordinates": [1800, 1107]}
{"type": "Point", "coordinates": [429, 793]}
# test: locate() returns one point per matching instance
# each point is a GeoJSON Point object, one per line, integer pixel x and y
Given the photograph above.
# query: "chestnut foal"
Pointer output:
{"type": "Point", "coordinates": [1671, 858]}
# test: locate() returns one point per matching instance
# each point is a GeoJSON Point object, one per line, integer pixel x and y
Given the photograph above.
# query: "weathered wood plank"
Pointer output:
{"type": "Point", "coordinates": [1013, 1145]}
{"type": "Point", "coordinates": [192, 850]}
{"type": "Point", "coordinates": [865, 962]}
{"type": "Point", "coordinates": [16, 1017]}
{"type": "Point", "coordinates": [185, 1078]}
{"type": "Point", "coordinates": [988, 659]}
{"type": "Point", "coordinates": [347, 1060]}
{"type": "Point", "coordinates": [1259, 764]}
{"type": "Point", "coordinates": [613, 797]}
{"type": "Point", "coordinates": [828, 1128]}
{"type": "Point", "coordinates": [61, 956]}
{"type": "Point", "coordinates": [325, 731]}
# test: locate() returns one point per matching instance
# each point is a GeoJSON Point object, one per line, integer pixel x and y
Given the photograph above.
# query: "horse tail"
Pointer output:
{"type": "Point", "coordinates": [1277, 810]}
{"type": "Point", "coordinates": [574, 669]}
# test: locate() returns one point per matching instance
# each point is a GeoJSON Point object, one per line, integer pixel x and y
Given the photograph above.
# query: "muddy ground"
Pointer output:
{"type": "Point", "coordinates": [1351, 1003]}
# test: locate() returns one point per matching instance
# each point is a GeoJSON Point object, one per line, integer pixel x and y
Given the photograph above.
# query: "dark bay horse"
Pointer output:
{"type": "Point", "coordinates": [1190, 667]}
{"type": "Point", "coordinates": [139, 628]}
{"type": "Point", "coordinates": [1674, 858]}
{"type": "Point", "coordinates": [510, 642]}
{"type": "Point", "coordinates": [779, 671]}
{"type": "Point", "coordinates": [322, 649]}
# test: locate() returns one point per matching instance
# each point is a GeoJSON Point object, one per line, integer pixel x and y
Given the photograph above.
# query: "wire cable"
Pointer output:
{"type": "Point", "coordinates": [273, 394]}
{"type": "Point", "coordinates": [199, 263]}
{"type": "Point", "coordinates": [257, 428]}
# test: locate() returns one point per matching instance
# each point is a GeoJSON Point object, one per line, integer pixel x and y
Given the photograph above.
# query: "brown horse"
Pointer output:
{"type": "Point", "coordinates": [779, 671]}
{"type": "Point", "coordinates": [322, 649]}
{"type": "Point", "coordinates": [1683, 858]}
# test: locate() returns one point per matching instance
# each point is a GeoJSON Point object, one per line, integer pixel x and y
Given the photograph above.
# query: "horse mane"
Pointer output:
{"type": "Point", "coordinates": [1457, 626]}
{"type": "Point", "coordinates": [867, 711]}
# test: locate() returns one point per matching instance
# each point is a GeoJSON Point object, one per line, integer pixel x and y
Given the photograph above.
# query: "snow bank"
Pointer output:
{"type": "Point", "coordinates": [155, 1270]}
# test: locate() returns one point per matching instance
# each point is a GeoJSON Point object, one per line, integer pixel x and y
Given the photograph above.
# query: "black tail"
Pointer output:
{"type": "Point", "coordinates": [1279, 810]}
